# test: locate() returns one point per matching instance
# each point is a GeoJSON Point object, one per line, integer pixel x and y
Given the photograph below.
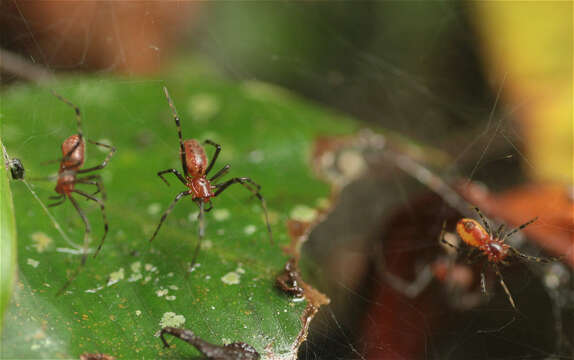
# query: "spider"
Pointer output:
{"type": "Point", "coordinates": [485, 243]}
{"type": "Point", "coordinates": [16, 169]}
{"type": "Point", "coordinates": [73, 151]}
{"type": "Point", "coordinates": [195, 170]}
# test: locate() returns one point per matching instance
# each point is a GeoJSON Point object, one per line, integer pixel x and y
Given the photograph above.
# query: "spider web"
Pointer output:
{"type": "Point", "coordinates": [428, 86]}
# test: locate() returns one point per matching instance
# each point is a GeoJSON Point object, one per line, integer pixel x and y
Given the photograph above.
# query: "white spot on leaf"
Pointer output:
{"type": "Point", "coordinates": [171, 319]}
{"type": "Point", "coordinates": [303, 213]}
{"type": "Point", "coordinates": [194, 267]}
{"type": "Point", "coordinates": [154, 209]}
{"type": "Point", "coordinates": [92, 291]}
{"type": "Point", "coordinates": [136, 266]}
{"type": "Point", "coordinates": [206, 245]}
{"type": "Point", "coordinates": [202, 107]}
{"type": "Point", "coordinates": [41, 241]}
{"type": "Point", "coordinates": [231, 278]}
{"type": "Point", "coordinates": [221, 214]}
{"type": "Point", "coordinates": [150, 268]}
{"type": "Point", "coordinates": [249, 229]}
{"type": "Point", "coordinates": [192, 217]}
{"type": "Point", "coordinates": [72, 251]}
{"type": "Point", "coordinates": [256, 156]}
{"type": "Point", "coordinates": [116, 277]}
{"type": "Point", "coordinates": [33, 263]}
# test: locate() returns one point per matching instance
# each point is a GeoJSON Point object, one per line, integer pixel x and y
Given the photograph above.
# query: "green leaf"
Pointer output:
{"type": "Point", "coordinates": [117, 302]}
{"type": "Point", "coordinates": [7, 238]}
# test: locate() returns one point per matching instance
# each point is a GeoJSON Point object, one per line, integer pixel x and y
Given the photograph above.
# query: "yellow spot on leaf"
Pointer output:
{"type": "Point", "coordinates": [41, 241]}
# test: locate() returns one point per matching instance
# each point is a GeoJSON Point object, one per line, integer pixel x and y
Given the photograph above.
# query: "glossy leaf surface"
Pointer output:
{"type": "Point", "coordinates": [116, 304]}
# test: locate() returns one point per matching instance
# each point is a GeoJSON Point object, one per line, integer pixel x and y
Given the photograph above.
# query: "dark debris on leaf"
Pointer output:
{"type": "Point", "coordinates": [233, 351]}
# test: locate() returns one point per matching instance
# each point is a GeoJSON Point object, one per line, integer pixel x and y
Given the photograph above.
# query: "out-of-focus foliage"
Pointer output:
{"type": "Point", "coordinates": [530, 44]}
{"type": "Point", "coordinates": [7, 238]}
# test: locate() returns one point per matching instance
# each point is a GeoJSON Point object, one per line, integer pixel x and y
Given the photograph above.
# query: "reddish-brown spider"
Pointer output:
{"type": "Point", "coordinates": [73, 152]}
{"type": "Point", "coordinates": [485, 243]}
{"type": "Point", "coordinates": [195, 170]}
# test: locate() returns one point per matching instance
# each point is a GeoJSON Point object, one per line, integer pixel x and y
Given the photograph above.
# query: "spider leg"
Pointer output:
{"type": "Point", "coordinates": [472, 256]}
{"type": "Point", "coordinates": [224, 170]}
{"type": "Point", "coordinates": [498, 233]}
{"type": "Point", "coordinates": [507, 291]}
{"type": "Point", "coordinates": [484, 221]}
{"type": "Point", "coordinates": [172, 171]}
{"type": "Point", "coordinates": [97, 181]}
{"type": "Point", "coordinates": [215, 155]}
{"type": "Point", "coordinates": [178, 125]}
{"type": "Point", "coordinates": [84, 249]}
{"type": "Point", "coordinates": [510, 233]}
{"type": "Point", "coordinates": [76, 109]}
{"type": "Point", "coordinates": [88, 182]}
{"type": "Point", "coordinates": [254, 188]}
{"type": "Point", "coordinates": [483, 282]}
{"type": "Point", "coordinates": [66, 157]}
{"type": "Point", "coordinates": [443, 240]}
{"type": "Point", "coordinates": [78, 118]}
{"type": "Point", "coordinates": [106, 160]}
{"type": "Point", "coordinates": [201, 226]}
{"type": "Point", "coordinates": [57, 203]}
{"type": "Point", "coordinates": [169, 209]}
{"type": "Point", "coordinates": [503, 284]}
{"type": "Point", "coordinates": [210, 207]}
{"type": "Point", "coordinates": [532, 258]}
{"type": "Point", "coordinates": [103, 208]}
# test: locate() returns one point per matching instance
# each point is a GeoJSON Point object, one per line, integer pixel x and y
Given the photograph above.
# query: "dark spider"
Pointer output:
{"type": "Point", "coordinates": [483, 242]}
{"type": "Point", "coordinates": [288, 281]}
{"type": "Point", "coordinates": [195, 170]}
{"type": "Point", "coordinates": [16, 169]}
{"type": "Point", "coordinates": [73, 151]}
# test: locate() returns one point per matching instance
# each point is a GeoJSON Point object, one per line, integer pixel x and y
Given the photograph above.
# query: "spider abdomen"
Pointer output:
{"type": "Point", "coordinates": [195, 158]}
{"type": "Point", "coordinates": [472, 233]}
{"type": "Point", "coordinates": [73, 152]}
